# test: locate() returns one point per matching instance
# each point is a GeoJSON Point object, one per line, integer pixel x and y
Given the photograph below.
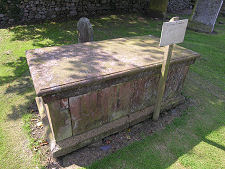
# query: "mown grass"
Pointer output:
{"type": "Point", "coordinates": [196, 140]}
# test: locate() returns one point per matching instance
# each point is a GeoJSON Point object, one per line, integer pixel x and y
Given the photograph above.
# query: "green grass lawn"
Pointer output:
{"type": "Point", "coordinates": [195, 140]}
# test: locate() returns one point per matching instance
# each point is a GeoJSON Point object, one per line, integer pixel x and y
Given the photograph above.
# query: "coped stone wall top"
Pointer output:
{"type": "Point", "coordinates": [55, 69]}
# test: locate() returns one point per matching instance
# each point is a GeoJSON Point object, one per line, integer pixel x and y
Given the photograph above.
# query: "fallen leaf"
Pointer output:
{"type": "Point", "coordinates": [128, 137]}
{"type": "Point", "coordinates": [39, 124]}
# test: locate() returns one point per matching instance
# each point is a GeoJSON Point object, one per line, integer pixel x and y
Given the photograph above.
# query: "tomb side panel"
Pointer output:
{"type": "Point", "coordinates": [59, 119]}
{"type": "Point", "coordinates": [99, 107]}
{"type": "Point", "coordinates": [176, 77]}
{"type": "Point", "coordinates": [91, 110]}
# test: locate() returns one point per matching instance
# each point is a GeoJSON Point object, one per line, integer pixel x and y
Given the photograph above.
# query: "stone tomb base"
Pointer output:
{"type": "Point", "coordinates": [92, 90]}
{"type": "Point", "coordinates": [73, 143]}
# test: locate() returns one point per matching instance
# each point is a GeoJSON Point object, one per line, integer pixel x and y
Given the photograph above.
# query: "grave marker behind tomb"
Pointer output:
{"type": "Point", "coordinates": [85, 30]}
{"type": "Point", "coordinates": [172, 32]}
{"type": "Point", "coordinates": [205, 14]}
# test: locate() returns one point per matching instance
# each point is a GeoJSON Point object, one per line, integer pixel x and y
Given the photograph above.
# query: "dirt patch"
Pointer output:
{"type": "Point", "coordinates": [87, 155]}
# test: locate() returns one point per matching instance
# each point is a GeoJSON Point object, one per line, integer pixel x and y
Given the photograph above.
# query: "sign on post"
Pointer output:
{"type": "Point", "coordinates": [173, 32]}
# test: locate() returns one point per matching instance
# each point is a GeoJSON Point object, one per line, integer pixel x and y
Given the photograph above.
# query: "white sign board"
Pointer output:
{"type": "Point", "coordinates": [173, 32]}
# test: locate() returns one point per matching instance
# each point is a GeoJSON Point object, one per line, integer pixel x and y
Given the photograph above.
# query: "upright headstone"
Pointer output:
{"type": "Point", "coordinates": [205, 14]}
{"type": "Point", "coordinates": [85, 30]}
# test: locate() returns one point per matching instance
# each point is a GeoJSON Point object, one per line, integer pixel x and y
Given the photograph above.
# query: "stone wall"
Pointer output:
{"type": "Point", "coordinates": [36, 10]}
{"type": "Point", "coordinates": [178, 5]}
{"type": "Point", "coordinates": [22, 11]}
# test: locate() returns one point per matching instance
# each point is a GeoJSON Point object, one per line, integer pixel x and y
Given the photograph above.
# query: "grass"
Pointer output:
{"type": "Point", "coordinates": [195, 140]}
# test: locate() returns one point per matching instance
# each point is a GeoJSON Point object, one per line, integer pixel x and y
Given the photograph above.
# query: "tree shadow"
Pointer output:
{"type": "Point", "coordinates": [56, 34]}
{"type": "Point", "coordinates": [19, 66]}
{"type": "Point", "coordinates": [65, 33]}
{"type": "Point", "coordinates": [22, 87]}
{"type": "Point", "coordinates": [213, 143]}
{"type": "Point", "coordinates": [64, 67]}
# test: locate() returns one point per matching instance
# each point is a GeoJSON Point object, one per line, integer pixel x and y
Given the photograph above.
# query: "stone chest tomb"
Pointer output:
{"type": "Point", "coordinates": [90, 90]}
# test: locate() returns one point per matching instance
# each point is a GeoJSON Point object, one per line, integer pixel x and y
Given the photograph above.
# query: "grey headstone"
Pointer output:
{"type": "Point", "coordinates": [205, 14]}
{"type": "Point", "coordinates": [85, 30]}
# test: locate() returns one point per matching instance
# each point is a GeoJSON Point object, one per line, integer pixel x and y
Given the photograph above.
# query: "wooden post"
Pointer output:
{"type": "Point", "coordinates": [163, 78]}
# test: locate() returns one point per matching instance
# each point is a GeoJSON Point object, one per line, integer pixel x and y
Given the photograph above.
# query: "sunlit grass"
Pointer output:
{"type": "Point", "coordinates": [195, 140]}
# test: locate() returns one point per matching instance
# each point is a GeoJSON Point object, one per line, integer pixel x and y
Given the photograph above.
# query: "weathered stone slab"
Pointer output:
{"type": "Point", "coordinates": [58, 69]}
{"type": "Point", "coordinates": [205, 15]}
{"type": "Point", "coordinates": [44, 117]}
{"type": "Point", "coordinates": [59, 119]}
{"type": "Point", "coordinates": [87, 112]}
{"type": "Point", "coordinates": [99, 107]}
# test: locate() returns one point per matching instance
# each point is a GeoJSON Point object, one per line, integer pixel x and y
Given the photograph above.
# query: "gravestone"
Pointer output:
{"type": "Point", "coordinates": [205, 14]}
{"type": "Point", "coordinates": [85, 30]}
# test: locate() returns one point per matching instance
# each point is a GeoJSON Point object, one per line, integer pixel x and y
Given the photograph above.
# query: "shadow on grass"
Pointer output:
{"type": "Point", "coordinates": [19, 66]}
{"type": "Point", "coordinates": [58, 34]}
{"type": "Point", "coordinates": [214, 144]}
{"type": "Point", "coordinates": [46, 34]}
{"type": "Point", "coordinates": [43, 35]}
{"type": "Point", "coordinates": [148, 153]}
{"type": "Point", "coordinates": [20, 87]}
{"type": "Point", "coordinates": [107, 27]}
